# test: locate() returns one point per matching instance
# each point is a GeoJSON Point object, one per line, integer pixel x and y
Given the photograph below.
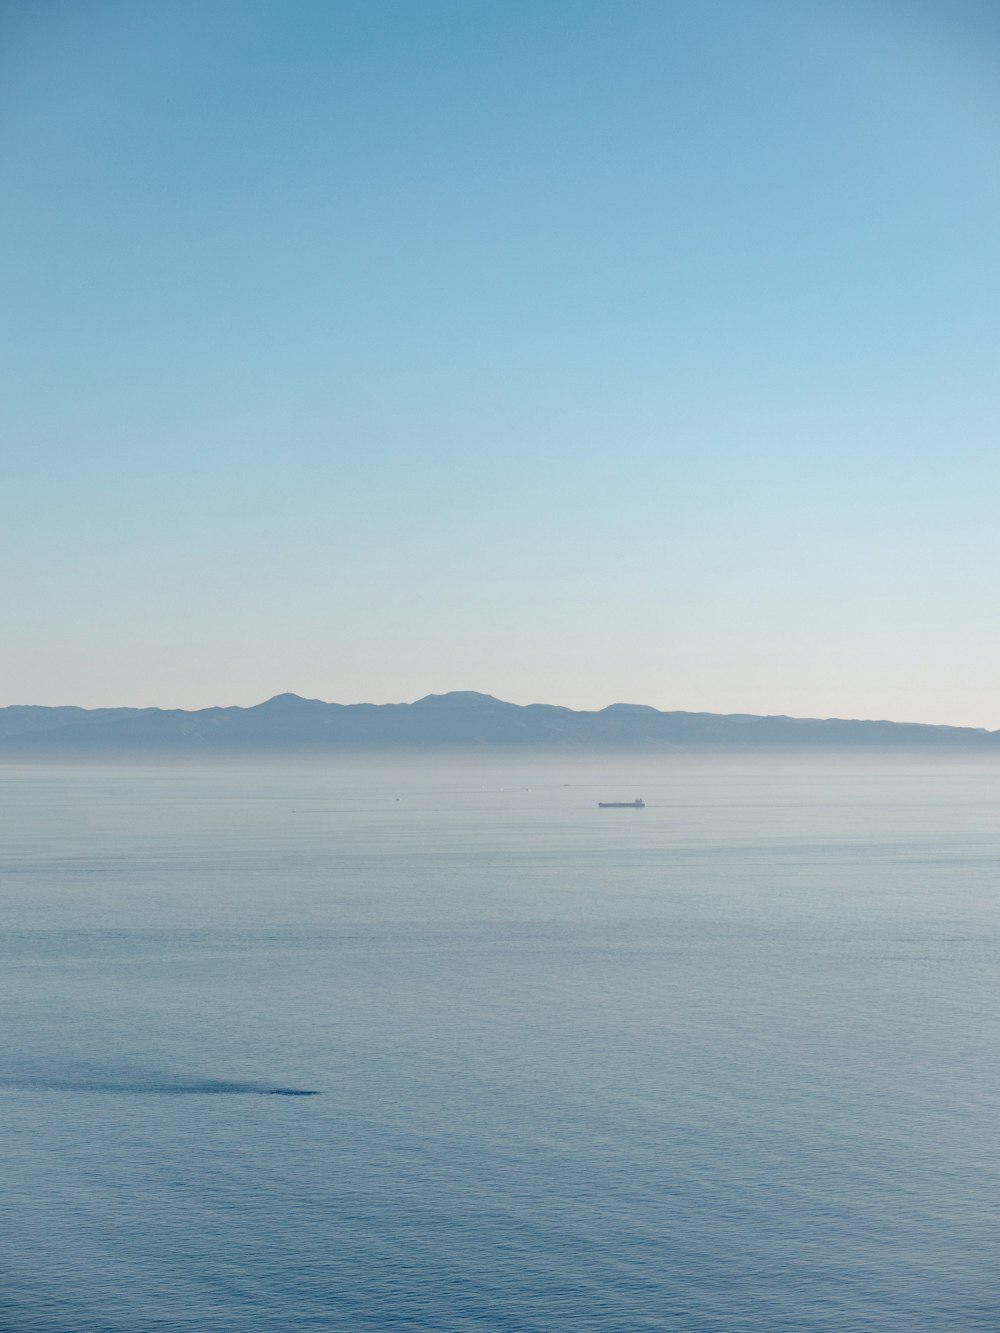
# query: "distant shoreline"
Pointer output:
{"type": "Point", "coordinates": [456, 723]}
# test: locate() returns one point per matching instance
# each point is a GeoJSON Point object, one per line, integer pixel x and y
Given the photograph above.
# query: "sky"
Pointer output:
{"type": "Point", "coordinates": [573, 352]}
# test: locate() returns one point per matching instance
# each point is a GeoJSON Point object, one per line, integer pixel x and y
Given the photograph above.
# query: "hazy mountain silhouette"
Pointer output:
{"type": "Point", "coordinates": [460, 720]}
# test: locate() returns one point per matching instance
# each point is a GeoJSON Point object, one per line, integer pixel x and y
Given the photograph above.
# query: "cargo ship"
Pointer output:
{"type": "Point", "coordinates": [637, 804]}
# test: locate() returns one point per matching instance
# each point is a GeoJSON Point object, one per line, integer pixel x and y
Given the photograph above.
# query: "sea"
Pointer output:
{"type": "Point", "coordinates": [440, 1045]}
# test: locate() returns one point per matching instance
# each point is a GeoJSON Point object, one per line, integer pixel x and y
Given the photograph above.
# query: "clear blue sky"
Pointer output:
{"type": "Point", "coordinates": [569, 351]}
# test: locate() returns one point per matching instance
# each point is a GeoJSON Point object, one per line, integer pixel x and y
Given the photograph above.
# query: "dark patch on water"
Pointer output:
{"type": "Point", "coordinates": [157, 1087]}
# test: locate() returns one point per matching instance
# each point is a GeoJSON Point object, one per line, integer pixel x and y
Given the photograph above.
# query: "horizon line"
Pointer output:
{"type": "Point", "coordinates": [491, 698]}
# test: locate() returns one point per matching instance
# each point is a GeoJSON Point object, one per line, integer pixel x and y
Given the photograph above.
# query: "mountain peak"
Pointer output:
{"type": "Point", "coordinates": [630, 708]}
{"type": "Point", "coordinates": [462, 697]}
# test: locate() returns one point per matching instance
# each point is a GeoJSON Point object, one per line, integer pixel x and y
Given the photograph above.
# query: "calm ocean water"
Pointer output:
{"type": "Point", "coordinates": [727, 1063]}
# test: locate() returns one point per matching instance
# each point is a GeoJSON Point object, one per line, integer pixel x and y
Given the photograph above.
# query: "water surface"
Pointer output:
{"type": "Point", "coordinates": [726, 1063]}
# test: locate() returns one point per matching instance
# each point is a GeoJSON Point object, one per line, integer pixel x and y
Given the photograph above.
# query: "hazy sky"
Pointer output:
{"type": "Point", "coordinates": [570, 351]}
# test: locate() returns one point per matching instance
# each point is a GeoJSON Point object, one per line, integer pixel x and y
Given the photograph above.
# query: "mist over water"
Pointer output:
{"type": "Point", "coordinates": [727, 1062]}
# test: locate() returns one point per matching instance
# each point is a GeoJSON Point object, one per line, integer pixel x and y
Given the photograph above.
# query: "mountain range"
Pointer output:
{"type": "Point", "coordinates": [462, 720]}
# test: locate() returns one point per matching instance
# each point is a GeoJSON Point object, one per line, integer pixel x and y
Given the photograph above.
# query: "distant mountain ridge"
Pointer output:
{"type": "Point", "coordinates": [461, 720]}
